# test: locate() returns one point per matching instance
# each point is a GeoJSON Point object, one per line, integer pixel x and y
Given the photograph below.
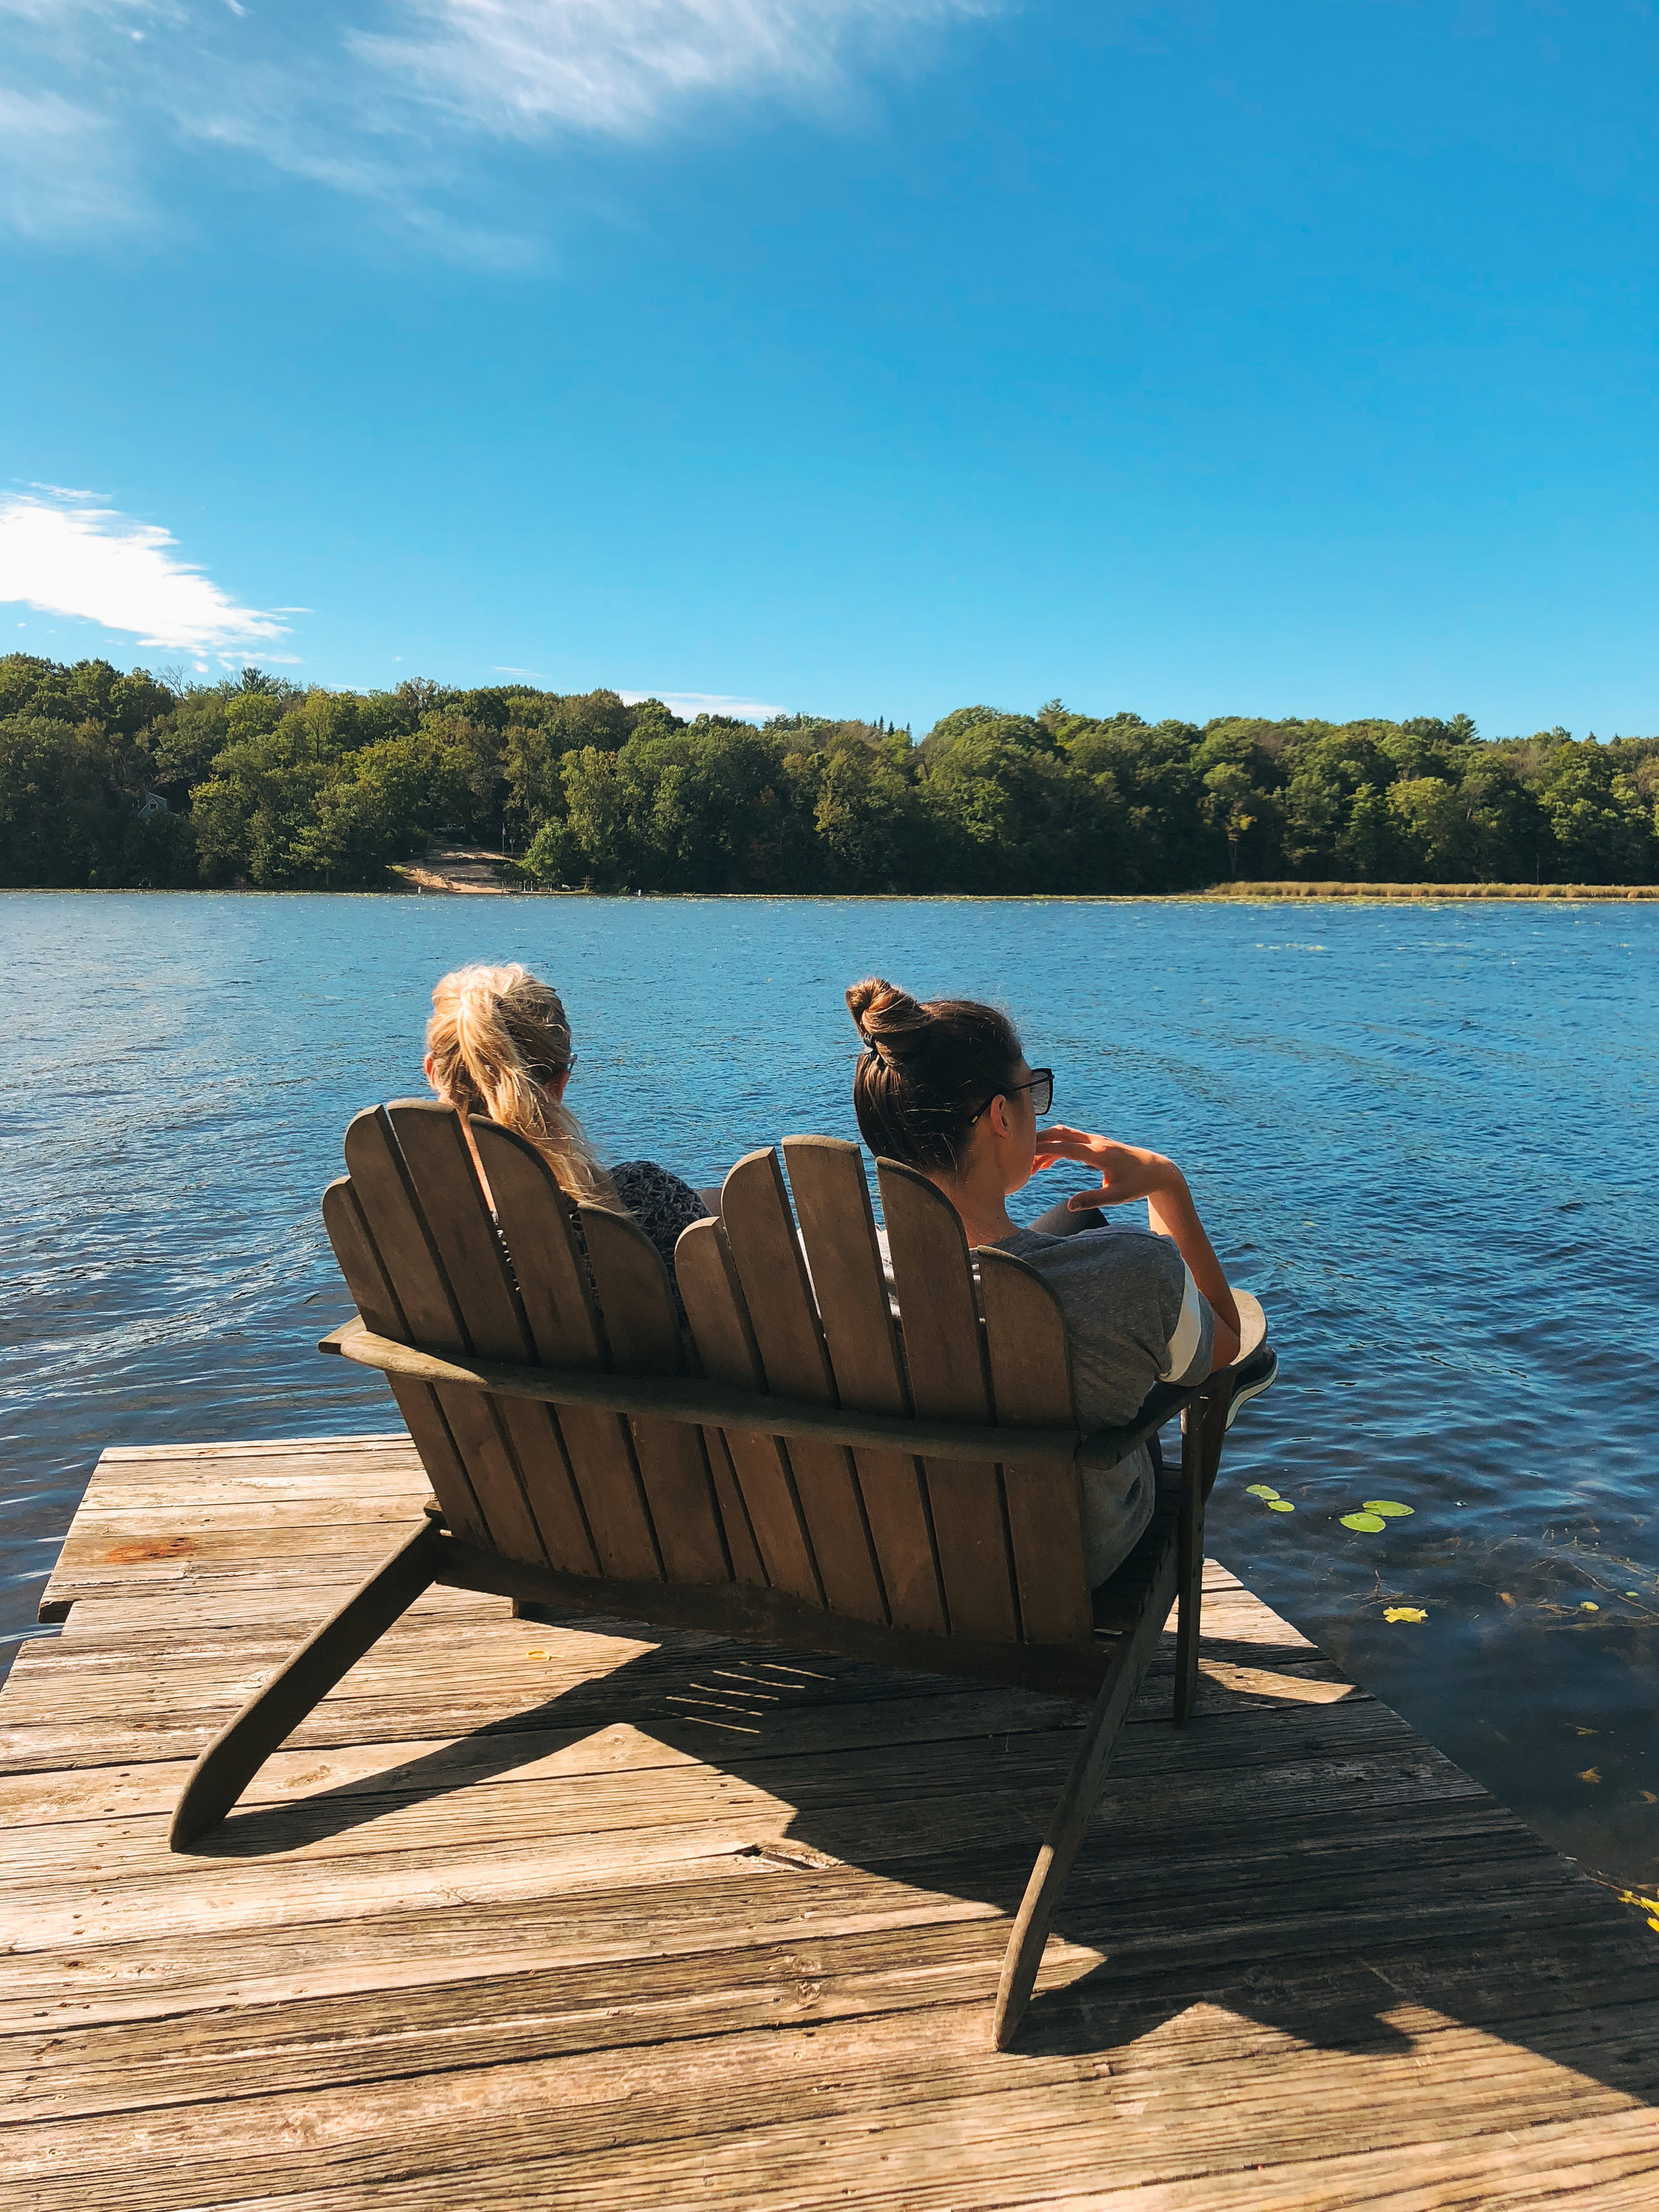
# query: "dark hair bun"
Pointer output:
{"type": "Point", "coordinates": [882, 1012]}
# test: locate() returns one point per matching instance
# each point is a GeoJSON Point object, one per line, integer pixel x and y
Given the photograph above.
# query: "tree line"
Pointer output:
{"type": "Point", "coordinates": [110, 781]}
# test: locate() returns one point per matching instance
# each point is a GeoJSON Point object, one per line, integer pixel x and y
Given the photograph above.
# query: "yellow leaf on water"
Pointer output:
{"type": "Point", "coordinates": [1507, 1599]}
{"type": "Point", "coordinates": [1587, 1607]}
{"type": "Point", "coordinates": [1389, 1508]}
{"type": "Point", "coordinates": [1591, 1774]}
{"type": "Point", "coordinates": [1654, 1924]}
{"type": "Point", "coordinates": [1261, 1490]}
{"type": "Point", "coordinates": [1367, 1522]}
{"type": "Point", "coordinates": [1404, 1612]}
{"type": "Point", "coordinates": [1280, 1505]}
{"type": "Point", "coordinates": [1648, 1798]}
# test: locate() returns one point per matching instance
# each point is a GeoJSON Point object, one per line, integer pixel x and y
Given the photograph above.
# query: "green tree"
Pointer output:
{"type": "Point", "coordinates": [864, 819]}
{"type": "Point", "coordinates": [1232, 805]}
{"type": "Point", "coordinates": [1432, 828]}
{"type": "Point", "coordinates": [1603, 827]}
{"type": "Point", "coordinates": [61, 822]}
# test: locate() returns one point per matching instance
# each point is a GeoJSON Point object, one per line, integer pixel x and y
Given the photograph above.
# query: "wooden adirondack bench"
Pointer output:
{"type": "Point", "coordinates": [811, 1470]}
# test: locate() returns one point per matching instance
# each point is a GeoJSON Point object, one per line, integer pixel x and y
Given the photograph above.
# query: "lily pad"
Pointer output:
{"type": "Point", "coordinates": [1261, 1490]}
{"type": "Point", "coordinates": [1367, 1522]}
{"type": "Point", "coordinates": [1404, 1612]}
{"type": "Point", "coordinates": [1390, 1508]}
{"type": "Point", "coordinates": [1280, 1505]}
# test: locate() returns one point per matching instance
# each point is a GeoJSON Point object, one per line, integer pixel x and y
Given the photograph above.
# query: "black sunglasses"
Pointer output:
{"type": "Point", "coordinates": [1041, 1086]}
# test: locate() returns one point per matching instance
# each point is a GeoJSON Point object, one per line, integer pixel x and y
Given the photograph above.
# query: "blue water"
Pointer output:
{"type": "Point", "coordinates": [1420, 1133]}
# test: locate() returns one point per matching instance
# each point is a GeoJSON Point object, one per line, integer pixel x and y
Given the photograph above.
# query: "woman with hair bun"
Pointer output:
{"type": "Point", "coordinates": [942, 1086]}
{"type": "Point", "coordinates": [498, 1044]}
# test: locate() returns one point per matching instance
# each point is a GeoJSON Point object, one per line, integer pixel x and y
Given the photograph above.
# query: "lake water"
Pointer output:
{"type": "Point", "coordinates": [1420, 1133]}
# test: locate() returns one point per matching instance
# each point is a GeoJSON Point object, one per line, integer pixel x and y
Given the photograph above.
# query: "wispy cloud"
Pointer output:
{"type": "Point", "coordinates": [65, 166]}
{"type": "Point", "coordinates": [524, 67]}
{"type": "Point", "coordinates": [71, 559]}
{"type": "Point", "coordinates": [396, 111]}
{"type": "Point", "coordinates": [690, 704]}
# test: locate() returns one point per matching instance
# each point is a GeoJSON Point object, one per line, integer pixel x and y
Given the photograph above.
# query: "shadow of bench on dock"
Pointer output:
{"type": "Point", "coordinates": [1299, 1857]}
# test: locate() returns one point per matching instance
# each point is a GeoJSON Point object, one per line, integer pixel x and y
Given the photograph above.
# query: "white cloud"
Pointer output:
{"type": "Point", "coordinates": [63, 167]}
{"type": "Point", "coordinates": [690, 704]}
{"type": "Point", "coordinates": [524, 67]}
{"type": "Point", "coordinates": [393, 112]}
{"type": "Point", "coordinates": [103, 566]}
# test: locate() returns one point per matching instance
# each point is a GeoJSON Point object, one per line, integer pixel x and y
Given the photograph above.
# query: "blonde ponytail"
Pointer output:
{"type": "Point", "coordinates": [499, 1038]}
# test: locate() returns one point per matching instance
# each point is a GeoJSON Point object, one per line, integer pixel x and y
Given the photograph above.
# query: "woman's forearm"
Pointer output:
{"type": "Point", "coordinates": [1128, 1172]}
{"type": "Point", "coordinates": [1172, 1212]}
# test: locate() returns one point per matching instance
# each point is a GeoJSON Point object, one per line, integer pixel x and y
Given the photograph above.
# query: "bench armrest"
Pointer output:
{"type": "Point", "coordinates": [689, 1398]}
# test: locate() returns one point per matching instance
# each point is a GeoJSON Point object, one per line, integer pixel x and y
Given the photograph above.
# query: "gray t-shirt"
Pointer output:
{"type": "Point", "coordinates": [1133, 1317]}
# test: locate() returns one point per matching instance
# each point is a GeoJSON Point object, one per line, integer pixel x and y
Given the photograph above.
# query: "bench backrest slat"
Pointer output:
{"type": "Point", "coordinates": [553, 1287]}
{"type": "Point", "coordinates": [832, 1204]}
{"type": "Point", "coordinates": [761, 1233]}
{"type": "Point", "coordinates": [1030, 1365]}
{"type": "Point", "coordinates": [409, 1256]}
{"type": "Point", "coordinates": [587, 1494]}
{"type": "Point", "coordinates": [944, 1358]}
{"type": "Point", "coordinates": [539, 1505]}
{"type": "Point", "coordinates": [464, 1243]}
{"type": "Point", "coordinates": [372, 1294]}
{"type": "Point", "coordinates": [644, 1329]}
{"type": "Point", "coordinates": [762, 1481]}
{"type": "Point", "coordinates": [423, 1293]}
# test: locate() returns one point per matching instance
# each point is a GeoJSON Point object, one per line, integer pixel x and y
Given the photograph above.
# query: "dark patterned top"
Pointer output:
{"type": "Point", "coordinates": [661, 1204]}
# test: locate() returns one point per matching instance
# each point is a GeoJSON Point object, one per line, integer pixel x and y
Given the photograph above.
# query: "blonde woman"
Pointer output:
{"type": "Point", "coordinates": [498, 1044]}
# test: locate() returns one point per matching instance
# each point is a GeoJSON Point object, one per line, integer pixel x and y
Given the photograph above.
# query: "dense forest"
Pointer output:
{"type": "Point", "coordinates": [109, 779]}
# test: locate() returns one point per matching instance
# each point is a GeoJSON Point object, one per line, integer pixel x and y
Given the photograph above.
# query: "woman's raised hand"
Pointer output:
{"type": "Point", "coordinates": [1126, 1171]}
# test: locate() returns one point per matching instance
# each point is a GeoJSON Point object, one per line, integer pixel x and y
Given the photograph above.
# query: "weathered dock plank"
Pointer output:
{"type": "Point", "coordinates": [550, 1916]}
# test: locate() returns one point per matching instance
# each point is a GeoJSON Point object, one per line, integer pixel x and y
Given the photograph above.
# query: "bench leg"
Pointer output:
{"type": "Point", "coordinates": [1203, 1430]}
{"type": "Point", "coordinates": [270, 1716]}
{"type": "Point", "coordinates": [1070, 1820]}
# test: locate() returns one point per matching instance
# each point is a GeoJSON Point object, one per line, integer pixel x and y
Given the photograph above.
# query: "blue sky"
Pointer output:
{"type": "Point", "coordinates": [873, 356]}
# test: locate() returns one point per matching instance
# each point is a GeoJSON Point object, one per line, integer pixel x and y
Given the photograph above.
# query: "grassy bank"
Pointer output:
{"type": "Point", "coordinates": [1292, 890]}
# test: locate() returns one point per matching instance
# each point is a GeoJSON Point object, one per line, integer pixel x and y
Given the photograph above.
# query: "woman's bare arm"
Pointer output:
{"type": "Point", "coordinates": [1127, 1172]}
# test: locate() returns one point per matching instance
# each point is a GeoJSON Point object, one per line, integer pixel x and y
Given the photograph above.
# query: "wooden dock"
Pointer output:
{"type": "Point", "coordinates": [537, 1916]}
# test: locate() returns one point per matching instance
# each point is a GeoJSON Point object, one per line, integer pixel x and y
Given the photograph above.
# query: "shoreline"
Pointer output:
{"type": "Point", "coordinates": [1216, 895]}
{"type": "Point", "coordinates": [1382, 894]}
